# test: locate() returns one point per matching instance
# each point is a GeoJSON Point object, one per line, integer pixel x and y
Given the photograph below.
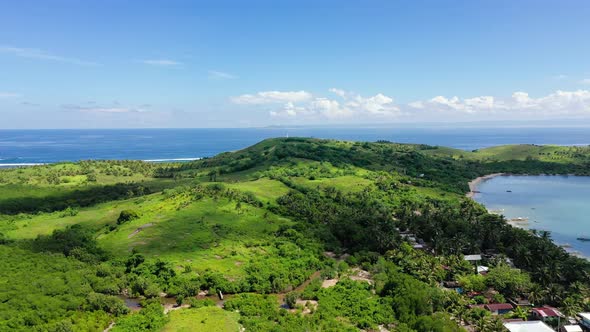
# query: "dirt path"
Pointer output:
{"type": "Point", "coordinates": [139, 229]}
{"type": "Point", "coordinates": [110, 327]}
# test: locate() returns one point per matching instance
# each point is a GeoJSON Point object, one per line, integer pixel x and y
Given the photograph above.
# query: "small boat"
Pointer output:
{"type": "Point", "coordinates": [508, 191]}
{"type": "Point", "coordinates": [584, 239]}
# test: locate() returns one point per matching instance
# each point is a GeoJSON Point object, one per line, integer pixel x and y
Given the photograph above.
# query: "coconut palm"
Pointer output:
{"type": "Point", "coordinates": [536, 294]}
{"type": "Point", "coordinates": [520, 312]}
{"type": "Point", "coordinates": [571, 306]}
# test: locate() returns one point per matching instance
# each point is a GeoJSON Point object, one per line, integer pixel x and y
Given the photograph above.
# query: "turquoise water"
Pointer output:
{"type": "Point", "coordinates": [559, 204]}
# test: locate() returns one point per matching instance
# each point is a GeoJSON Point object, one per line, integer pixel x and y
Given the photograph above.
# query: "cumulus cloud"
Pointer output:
{"type": "Point", "coordinates": [162, 62]}
{"type": "Point", "coordinates": [272, 97]}
{"type": "Point", "coordinates": [377, 104]}
{"type": "Point", "coordinates": [558, 102]}
{"type": "Point", "coordinates": [338, 92]}
{"type": "Point", "coordinates": [342, 105]}
{"type": "Point", "coordinates": [219, 75]}
{"type": "Point", "coordinates": [292, 104]}
{"type": "Point", "coordinates": [32, 53]}
{"type": "Point", "coordinates": [469, 105]}
{"type": "Point", "coordinates": [329, 108]}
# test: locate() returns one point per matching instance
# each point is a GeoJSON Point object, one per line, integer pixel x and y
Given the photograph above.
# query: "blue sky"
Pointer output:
{"type": "Point", "coordinates": [88, 64]}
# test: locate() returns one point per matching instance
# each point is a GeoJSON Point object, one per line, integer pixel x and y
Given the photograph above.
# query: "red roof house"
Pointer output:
{"type": "Point", "coordinates": [545, 312]}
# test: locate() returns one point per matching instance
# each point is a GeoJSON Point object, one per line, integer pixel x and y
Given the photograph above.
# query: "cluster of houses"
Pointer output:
{"type": "Point", "coordinates": [414, 241]}
{"type": "Point", "coordinates": [539, 316]}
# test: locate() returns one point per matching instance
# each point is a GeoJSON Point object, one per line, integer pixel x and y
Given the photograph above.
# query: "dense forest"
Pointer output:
{"type": "Point", "coordinates": [291, 234]}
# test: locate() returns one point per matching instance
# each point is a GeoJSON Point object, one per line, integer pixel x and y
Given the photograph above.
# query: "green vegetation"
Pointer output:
{"type": "Point", "coordinates": [211, 319]}
{"type": "Point", "coordinates": [296, 234]}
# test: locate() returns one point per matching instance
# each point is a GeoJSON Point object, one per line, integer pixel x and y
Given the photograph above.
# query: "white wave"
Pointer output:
{"type": "Point", "coordinates": [21, 164]}
{"type": "Point", "coordinates": [173, 159]}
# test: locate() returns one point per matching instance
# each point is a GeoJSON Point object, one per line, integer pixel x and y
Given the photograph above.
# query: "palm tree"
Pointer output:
{"type": "Point", "coordinates": [571, 306]}
{"type": "Point", "coordinates": [520, 312]}
{"type": "Point", "coordinates": [536, 294]}
{"type": "Point", "coordinates": [554, 293]}
{"type": "Point", "coordinates": [578, 287]}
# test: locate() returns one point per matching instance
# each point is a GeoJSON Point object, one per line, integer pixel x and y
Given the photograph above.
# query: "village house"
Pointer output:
{"type": "Point", "coordinates": [545, 312]}
{"type": "Point", "coordinates": [530, 326]}
{"type": "Point", "coordinates": [499, 308]}
{"type": "Point", "coordinates": [520, 302]}
{"type": "Point", "coordinates": [452, 285]}
{"type": "Point", "coordinates": [571, 328]}
{"type": "Point", "coordinates": [584, 319]}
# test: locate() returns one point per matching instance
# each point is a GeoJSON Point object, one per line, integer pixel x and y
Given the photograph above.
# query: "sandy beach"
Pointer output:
{"type": "Point", "coordinates": [474, 183]}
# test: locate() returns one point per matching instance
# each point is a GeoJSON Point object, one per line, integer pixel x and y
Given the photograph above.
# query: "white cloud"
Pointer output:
{"type": "Point", "coordinates": [219, 75]}
{"type": "Point", "coordinates": [558, 102]}
{"type": "Point", "coordinates": [42, 55]}
{"type": "Point", "coordinates": [272, 97]}
{"type": "Point", "coordinates": [304, 107]}
{"type": "Point", "coordinates": [330, 108]}
{"type": "Point", "coordinates": [377, 104]}
{"type": "Point", "coordinates": [289, 110]}
{"type": "Point", "coordinates": [4, 95]}
{"type": "Point", "coordinates": [338, 92]}
{"type": "Point", "coordinates": [469, 105]}
{"type": "Point", "coordinates": [560, 77]}
{"type": "Point", "coordinates": [162, 62]}
{"type": "Point", "coordinates": [302, 103]}
{"type": "Point", "coordinates": [585, 81]}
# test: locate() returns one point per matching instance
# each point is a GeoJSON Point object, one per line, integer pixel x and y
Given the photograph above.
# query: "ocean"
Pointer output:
{"type": "Point", "coordinates": [48, 146]}
{"type": "Point", "coordinates": [558, 204]}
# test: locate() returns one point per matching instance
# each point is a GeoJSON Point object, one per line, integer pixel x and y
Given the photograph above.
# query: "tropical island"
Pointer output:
{"type": "Point", "coordinates": [291, 234]}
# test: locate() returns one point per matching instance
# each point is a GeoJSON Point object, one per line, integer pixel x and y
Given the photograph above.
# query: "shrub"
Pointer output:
{"type": "Point", "coordinates": [291, 299]}
{"type": "Point", "coordinates": [126, 216]}
{"type": "Point", "coordinates": [106, 303]}
{"type": "Point", "coordinates": [196, 303]}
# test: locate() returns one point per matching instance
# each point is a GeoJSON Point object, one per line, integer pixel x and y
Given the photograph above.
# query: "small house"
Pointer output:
{"type": "Point", "coordinates": [472, 258]}
{"type": "Point", "coordinates": [499, 308]}
{"type": "Point", "coordinates": [520, 302]}
{"type": "Point", "coordinates": [584, 319]}
{"type": "Point", "coordinates": [528, 326]}
{"type": "Point", "coordinates": [570, 328]}
{"type": "Point", "coordinates": [452, 285]}
{"type": "Point", "coordinates": [545, 312]}
{"type": "Point", "coordinates": [482, 269]}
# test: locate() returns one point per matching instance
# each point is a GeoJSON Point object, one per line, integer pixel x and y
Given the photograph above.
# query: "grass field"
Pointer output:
{"type": "Point", "coordinates": [206, 319]}
{"type": "Point", "coordinates": [205, 234]}
{"type": "Point", "coordinates": [548, 153]}
{"type": "Point", "coordinates": [266, 189]}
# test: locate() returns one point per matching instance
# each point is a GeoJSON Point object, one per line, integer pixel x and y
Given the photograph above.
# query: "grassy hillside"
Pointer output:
{"type": "Point", "coordinates": [267, 225]}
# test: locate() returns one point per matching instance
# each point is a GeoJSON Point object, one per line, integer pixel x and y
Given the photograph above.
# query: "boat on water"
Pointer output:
{"type": "Point", "coordinates": [583, 238]}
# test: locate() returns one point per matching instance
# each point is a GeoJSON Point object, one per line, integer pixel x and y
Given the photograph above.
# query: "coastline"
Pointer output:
{"type": "Point", "coordinates": [475, 182]}
{"type": "Point", "coordinates": [523, 222]}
